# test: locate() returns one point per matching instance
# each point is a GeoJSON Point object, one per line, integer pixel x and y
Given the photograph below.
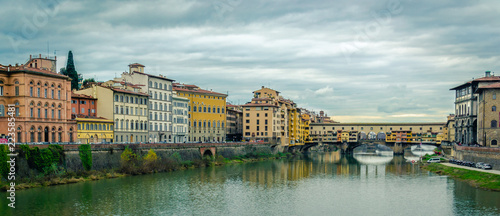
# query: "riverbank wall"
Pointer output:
{"type": "Point", "coordinates": [477, 154]}
{"type": "Point", "coordinates": [108, 156]}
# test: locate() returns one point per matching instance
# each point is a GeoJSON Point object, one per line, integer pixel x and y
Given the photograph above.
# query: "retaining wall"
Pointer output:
{"type": "Point", "coordinates": [478, 154]}
{"type": "Point", "coordinates": [108, 156]}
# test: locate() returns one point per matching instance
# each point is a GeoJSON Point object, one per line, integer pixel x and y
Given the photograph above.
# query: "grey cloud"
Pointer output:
{"type": "Point", "coordinates": [293, 46]}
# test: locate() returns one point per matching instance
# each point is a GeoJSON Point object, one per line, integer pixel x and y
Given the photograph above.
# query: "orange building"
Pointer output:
{"type": "Point", "coordinates": [42, 101]}
{"type": "Point", "coordinates": [83, 105]}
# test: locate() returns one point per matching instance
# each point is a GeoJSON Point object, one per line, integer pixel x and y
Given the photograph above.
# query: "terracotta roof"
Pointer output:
{"type": "Point", "coordinates": [258, 105]}
{"type": "Point", "coordinates": [492, 86]}
{"type": "Point", "coordinates": [185, 85]}
{"type": "Point", "coordinates": [87, 116]}
{"type": "Point", "coordinates": [22, 68]}
{"type": "Point", "coordinates": [136, 64]}
{"type": "Point", "coordinates": [261, 99]}
{"type": "Point", "coordinates": [128, 84]}
{"type": "Point", "coordinates": [200, 91]}
{"type": "Point", "coordinates": [230, 105]}
{"type": "Point", "coordinates": [75, 95]}
{"type": "Point", "coordinates": [490, 78]}
{"type": "Point", "coordinates": [155, 76]}
{"type": "Point", "coordinates": [126, 91]}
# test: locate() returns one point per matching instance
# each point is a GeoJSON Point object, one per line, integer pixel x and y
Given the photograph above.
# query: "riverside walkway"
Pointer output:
{"type": "Point", "coordinates": [497, 172]}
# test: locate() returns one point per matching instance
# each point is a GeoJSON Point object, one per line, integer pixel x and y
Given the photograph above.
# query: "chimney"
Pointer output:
{"type": "Point", "coordinates": [487, 73]}
{"type": "Point", "coordinates": [262, 86]}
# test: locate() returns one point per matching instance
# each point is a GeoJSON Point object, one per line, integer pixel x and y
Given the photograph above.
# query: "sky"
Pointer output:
{"type": "Point", "coordinates": [359, 61]}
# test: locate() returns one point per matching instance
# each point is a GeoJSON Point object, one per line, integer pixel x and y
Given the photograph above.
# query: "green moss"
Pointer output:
{"type": "Point", "coordinates": [85, 153]}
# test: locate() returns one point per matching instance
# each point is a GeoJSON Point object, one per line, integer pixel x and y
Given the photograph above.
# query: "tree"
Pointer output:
{"type": "Point", "coordinates": [70, 71]}
{"type": "Point", "coordinates": [86, 81]}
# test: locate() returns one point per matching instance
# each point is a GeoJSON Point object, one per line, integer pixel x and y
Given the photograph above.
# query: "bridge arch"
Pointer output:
{"type": "Point", "coordinates": [372, 135]}
{"type": "Point", "coordinates": [209, 151]}
{"type": "Point", "coordinates": [362, 135]}
{"type": "Point", "coordinates": [381, 136]}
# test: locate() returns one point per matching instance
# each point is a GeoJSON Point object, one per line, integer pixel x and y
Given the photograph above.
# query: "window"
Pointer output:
{"type": "Point", "coordinates": [31, 91]}
{"type": "Point", "coordinates": [59, 94]}
{"type": "Point", "coordinates": [494, 98]}
{"type": "Point", "coordinates": [38, 92]}
{"type": "Point", "coordinates": [494, 123]}
{"type": "Point", "coordinates": [83, 110]}
{"type": "Point", "coordinates": [494, 108]}
{"type": "Point", "coordinates": [493, 142]}
{"type": "Point", "coordinates": [2, 110]}
{"type": "Point", "coordinates": [16, 89]}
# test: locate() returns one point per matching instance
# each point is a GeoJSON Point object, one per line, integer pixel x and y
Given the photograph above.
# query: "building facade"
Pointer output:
{"type": "Point", "coordinates": [234, 119]}
{"type": "Point", "coordinates": [180, 120]}
{"type": "Point", "coordinates": [160, 93]}
{"type": "Point", "coordinates": [269, 117]}
{"type": "Point", "coordinates": [83, 105]}
{"type": "Point", "coordinates": [41, 100]}
{"type": "Point", "coordinates": [91, 128]}
{"type": "Point", "coordinates": [127, 108]}
{"type": "Point", "coordinates": [488, 133]}
{"type": "Point", "coordinates": [94, 130]}
{"type": "Point", "coordinates": [206, 112]}
{"type": "Point", "coordinates": [467, 108]}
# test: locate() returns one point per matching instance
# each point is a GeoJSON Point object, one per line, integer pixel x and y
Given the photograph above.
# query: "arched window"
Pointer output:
{"type": "Point", "coordinates": [494, 108]}
{"type": "Point", "coordinates": [493, 142]}
{"type": "Point", "coordinates": [494, 123]}
{"type": "Point", "coordinates": [156, 85]}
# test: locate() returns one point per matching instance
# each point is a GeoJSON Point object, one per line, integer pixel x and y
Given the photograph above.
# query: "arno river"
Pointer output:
{"type": "Point", "coordinates": [319, 184]}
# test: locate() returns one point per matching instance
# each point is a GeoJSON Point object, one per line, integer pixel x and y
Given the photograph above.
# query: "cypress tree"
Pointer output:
{"type": "Point", "coordinates": [71, 71]}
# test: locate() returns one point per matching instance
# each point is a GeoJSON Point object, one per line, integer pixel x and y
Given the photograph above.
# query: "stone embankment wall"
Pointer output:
{"type": "Point", "coordinates": [108, 156]}
{"type": "Point", "coordinates": [478, 154]}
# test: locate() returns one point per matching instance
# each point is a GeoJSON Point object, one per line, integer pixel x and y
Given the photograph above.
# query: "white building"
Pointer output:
{"type": "Point", "coordinates": [159, 89]}
{"type": "Point", "coordinates": [180, 119]}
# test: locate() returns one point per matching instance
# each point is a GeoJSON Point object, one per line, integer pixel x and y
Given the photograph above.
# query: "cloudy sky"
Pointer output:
{"type": "Point", "coordinates": [359, 61]}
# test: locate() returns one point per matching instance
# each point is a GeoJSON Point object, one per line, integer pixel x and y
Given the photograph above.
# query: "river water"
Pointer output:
{"type": "Point", "coordinates": [318, 184]}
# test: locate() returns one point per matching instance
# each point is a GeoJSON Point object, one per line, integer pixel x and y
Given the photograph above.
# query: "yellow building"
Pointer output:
{"type": "Point", "coordinates": [295, 127]}
{"type": "Point", "coordinates": [271, 118]}
{"type": "Point", "coordinates": [206, 112]}
{"type": "Point", "coordinates": [305, 121]}
{"type": "Point", "coordinates": [95, 130]}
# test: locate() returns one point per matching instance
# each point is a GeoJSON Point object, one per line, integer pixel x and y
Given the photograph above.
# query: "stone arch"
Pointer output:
{"type": "Point", "coordinates": [362, 135]}
{"type": "Point", "coordinates": [210, 151]}
{"type": "Point", "coordinates": [381, 135]}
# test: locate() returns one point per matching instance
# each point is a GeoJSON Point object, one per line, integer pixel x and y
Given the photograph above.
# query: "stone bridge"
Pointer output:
{"type": "Point", "coordinates": [348, 147]}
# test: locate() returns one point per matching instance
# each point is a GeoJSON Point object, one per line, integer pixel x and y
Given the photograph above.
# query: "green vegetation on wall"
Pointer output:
{"type": "Point", "coordinates": [4, 166]}
{"type": "Point", "coordinates": [43, 160]}
{"type": "Point", "coordinates": [86, 156]}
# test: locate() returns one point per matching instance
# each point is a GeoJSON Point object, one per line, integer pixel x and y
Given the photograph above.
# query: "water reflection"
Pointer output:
{"type": "Point", "coordinates": [318, 184]}
{"type": "Point", "coordinates": [421, 150]}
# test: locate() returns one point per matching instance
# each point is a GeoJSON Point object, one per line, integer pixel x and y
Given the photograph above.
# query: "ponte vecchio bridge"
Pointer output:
{"type": "Point", "coordinates": [398, 136]}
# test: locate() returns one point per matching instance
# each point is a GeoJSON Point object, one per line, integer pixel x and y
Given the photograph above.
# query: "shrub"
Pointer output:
{"type": "Point", "coordinates": [151, 157]}
{"type": "Point", "coordinates": [85, 156]}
